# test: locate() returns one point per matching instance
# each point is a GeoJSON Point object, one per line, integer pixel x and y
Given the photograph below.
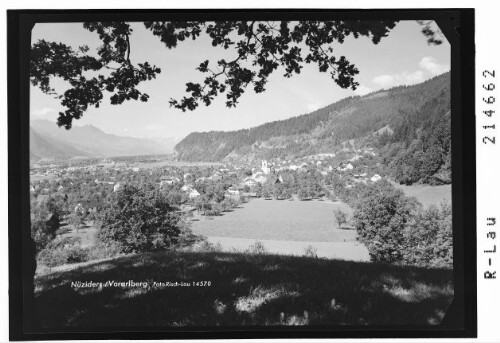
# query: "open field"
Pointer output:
{"type": "Point", "coordinates": [309, 221]}
{"type": "Point", "coordinates": [349, 251]}
{"type": "Point", "coordinates": [427, 195]}
{"type": "Point", "coordinates": [244, 290]}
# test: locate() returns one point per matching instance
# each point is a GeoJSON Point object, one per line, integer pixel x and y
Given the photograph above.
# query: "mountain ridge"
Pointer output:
{"type": "Point", "coordinates": [349, 118]}
{"type": "Point", "coordinates": [49, 142]}
{"type": "Point", "coordinates": [407, 128]}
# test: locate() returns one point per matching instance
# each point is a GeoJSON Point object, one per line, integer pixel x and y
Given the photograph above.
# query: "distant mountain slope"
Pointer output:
{"type": "Point", "coordinates": [420, 148]}
{"type": "Point", "coordinates": [91, 141]}
{"type": "Point", "coordinates": [316, 132]}
{"type": "Point", "coordinates": [44, 147]}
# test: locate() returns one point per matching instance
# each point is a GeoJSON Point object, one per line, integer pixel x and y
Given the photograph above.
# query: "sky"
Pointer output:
{"type": "Point", "coordinates": [402, 58]}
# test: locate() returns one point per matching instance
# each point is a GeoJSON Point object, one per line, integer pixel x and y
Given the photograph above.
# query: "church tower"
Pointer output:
{"type": "Point", "coordinates": [265, 167]}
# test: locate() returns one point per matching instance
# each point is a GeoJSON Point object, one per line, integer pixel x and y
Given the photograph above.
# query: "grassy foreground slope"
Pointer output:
{"type": "Point", "coordinates": [245, 290]}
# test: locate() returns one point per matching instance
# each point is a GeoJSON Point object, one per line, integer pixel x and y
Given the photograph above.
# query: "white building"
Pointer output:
{"type": "Point", "coordinates": [343, 167]}
{"type": "Point", "coordinates": [193, 193]}
{"type": "Point", "coordinates": [265, 167]}
{"type": "Point", "coordinates": [168, 180]}
{"type": "Point", "coordinates": [260, 178]}
{"type": "Point", "coordinates": [249, 182]}
{"type": "Point", "coordinates": [355, 158]}
{"type": "Point", "coordinates": [233, 191]}
{"type": "Point", "coordinates": [187, 188]}
{"type": "Point", "coordinates": [376, 178]}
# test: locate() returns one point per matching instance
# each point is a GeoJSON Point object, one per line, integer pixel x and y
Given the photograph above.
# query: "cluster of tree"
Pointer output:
{"type": "Point", "coordinates": [311, 191]}
{"type": "Point", "coordinates": [306, 185]}
{"type": "Point", "coordinates": [209, 207]}
{"type": "Point", "coordinates": [77, 186]}
{"type": "Point", "coordinates": [140, 220]}
{"type": "Point", "coordinates": [45, 221]}
{"type": "Point", "coordinates": [420, 149]}
{"type": "Point", "coordinates": [397, 229]}
{"type": "Point", "coordinates": [214, 199]}
{"type": "Point", "coordinates": [62, 250]}
{"type": "Point", "coordinates": [54, 201]}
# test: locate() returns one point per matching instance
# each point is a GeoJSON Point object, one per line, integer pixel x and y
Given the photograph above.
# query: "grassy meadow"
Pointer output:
{"type": "Point", "coordinates": [246, 289]}
{"type": "Point", "coordinates": [427, 195]}
{"type": "Point", "coordinates": [260, 219]}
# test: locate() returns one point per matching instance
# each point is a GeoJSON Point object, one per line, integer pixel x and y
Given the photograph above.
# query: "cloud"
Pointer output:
{"type": "Point", "coordinates": [363, 90]}
{"type": "Point", "coordinates": [428, 67]}
{"type": "Point", "coordinates": [431, 65]}
{"type": "Point", "coordinates": [42, 112]}
{"type": "Point", "coordinates": [404, 78]}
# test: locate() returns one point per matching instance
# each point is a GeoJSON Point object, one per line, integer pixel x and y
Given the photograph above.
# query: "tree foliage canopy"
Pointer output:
{"type": "Point", "coordinates": [382, 216]}
{"type": "Point", "coordinates": [397, 229]}
{"type": "Point", "coordinates": [261, 48]}
{"type": "Point", "coordinates": [138, 220]}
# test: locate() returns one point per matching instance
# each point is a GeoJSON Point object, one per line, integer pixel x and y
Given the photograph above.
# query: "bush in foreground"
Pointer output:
{"type": "Point", "coordinates": [62, 251]}
{"type": "Point", "coordinates": [429, 242]}
{"type": "Point", "coordinates": [139, 220]}
{"type": "Point", "coordinates": [396, 229]}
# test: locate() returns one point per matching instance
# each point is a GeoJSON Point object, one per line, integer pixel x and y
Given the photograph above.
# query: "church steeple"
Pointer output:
{"type": "Point", "coordinates": [265, 167]}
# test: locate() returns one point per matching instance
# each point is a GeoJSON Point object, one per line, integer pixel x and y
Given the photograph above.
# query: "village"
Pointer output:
{"type": "Point", "coordinates": [234, 181]}
{"type": "Point", "coordinates": [70, 198]}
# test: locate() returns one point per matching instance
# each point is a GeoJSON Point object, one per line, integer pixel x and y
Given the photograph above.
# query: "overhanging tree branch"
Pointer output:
{"type": "Point", "coordinates": [261, 47]}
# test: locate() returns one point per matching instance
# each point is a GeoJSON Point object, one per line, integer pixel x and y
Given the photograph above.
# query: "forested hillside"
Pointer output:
{"type": "Point", "coordinates": [420, 149]}
{"type": "Point", "coordinates": [418, 116]}
{"type": "Point", "coordinates": [216, 145]}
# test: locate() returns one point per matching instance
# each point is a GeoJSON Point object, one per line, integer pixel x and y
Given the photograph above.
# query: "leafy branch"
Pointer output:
{"type": "Point", "coordinates": [261, 48]}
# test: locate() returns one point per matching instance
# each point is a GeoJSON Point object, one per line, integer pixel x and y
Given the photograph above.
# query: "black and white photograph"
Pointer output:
{"type": "Point", "coordinates": [267, 172]}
